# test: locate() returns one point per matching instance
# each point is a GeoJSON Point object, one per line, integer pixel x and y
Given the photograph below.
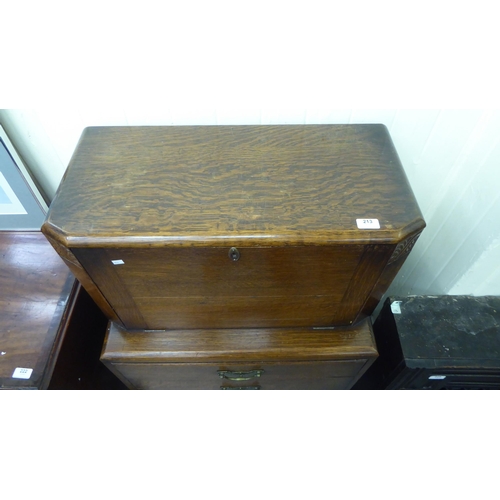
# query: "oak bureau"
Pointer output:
{"type": "Point", "coordinates": [241, 227]}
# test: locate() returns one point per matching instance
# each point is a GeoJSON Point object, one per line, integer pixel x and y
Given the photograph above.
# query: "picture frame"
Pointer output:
{"type": "Point", "coordinates": [22, 207]}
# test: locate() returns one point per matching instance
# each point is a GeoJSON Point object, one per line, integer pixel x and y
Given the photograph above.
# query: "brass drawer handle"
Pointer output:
{"type": "Point", "coordinates": [249, 388]}
{"type": "Point", "coordinates": [237, 376]}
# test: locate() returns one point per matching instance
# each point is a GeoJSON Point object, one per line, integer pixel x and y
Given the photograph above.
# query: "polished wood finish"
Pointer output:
{"type": "Point", "coordinates": [292, 358]}
{"type": "Point", "coordinates": [251, 185]}
{"type": "Point", "coordinates": [170, 202]}
{"type": "Point", "coordinates": [201, 286]}
{"type": "Point", "coordinates": [82, 276]}
{"type": "Point", "coordinates": [36, 295]}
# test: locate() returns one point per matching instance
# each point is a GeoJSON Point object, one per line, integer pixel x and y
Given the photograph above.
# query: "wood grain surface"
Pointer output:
{"type": "Point", "coordinates": [168, 203]}
{"type": "Point", "coordinates": [229, 185]}
{"type": "Point", "coordinates": [239, 345]}
{"type": "Point", "coordinates": [293, 358]}
{"type": "Point", "coordinates": [35, 287]}
{"type": "Point", "coordinates": [321, 375]}
{"type": "Point", "coordinates": [202, 287]}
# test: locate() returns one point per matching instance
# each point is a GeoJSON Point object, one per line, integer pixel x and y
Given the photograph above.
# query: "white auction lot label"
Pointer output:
{"type": "Point", "coordinates": [22, 373]}
{"type": "Point", "coordinates": [368, 223]}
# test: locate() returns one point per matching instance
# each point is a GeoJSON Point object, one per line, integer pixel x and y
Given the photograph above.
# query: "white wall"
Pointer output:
{"type": "Point", "coordinates": [456, 177]}
{"type": "Point", "coordinates": [452, 159]}
{"type": "Point", "coordinates": [224, 62]}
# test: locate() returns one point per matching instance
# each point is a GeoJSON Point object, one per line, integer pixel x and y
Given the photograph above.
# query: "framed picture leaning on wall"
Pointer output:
{"type": "Point", "coordinates": [22, 208]}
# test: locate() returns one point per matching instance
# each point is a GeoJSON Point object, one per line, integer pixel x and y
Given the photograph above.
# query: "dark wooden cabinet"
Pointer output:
{"type": "Point", "coordinates": [36, 295]}
{"type": "Point", "coordinates": [436, 342]}
{"type": "Point", "coordinates": [51, 331]}
{"type": "Point", "coordinates": [77, 366]}
{"type": "Point", "coordinates": [234, 226]}
{"type": "Point", "coordinates": [236, 359]}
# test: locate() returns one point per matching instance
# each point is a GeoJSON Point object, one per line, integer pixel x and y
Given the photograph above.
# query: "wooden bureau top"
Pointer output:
{"type": "Point", "coordinates": [248, 185]}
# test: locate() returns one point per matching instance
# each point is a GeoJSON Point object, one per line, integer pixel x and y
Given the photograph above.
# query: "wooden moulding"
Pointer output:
{"type": "Point", "coordinates": [293, 358]}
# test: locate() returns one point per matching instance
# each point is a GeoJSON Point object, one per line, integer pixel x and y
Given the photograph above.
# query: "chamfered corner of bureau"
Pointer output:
{"type": "Point", "coordinates": [196, 227]}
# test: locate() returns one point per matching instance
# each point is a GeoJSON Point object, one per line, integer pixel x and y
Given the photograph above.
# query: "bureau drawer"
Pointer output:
{"type": "Point", "coordinates": [293, 376]}
{"type": "Point", "coordinates": [286, 358]}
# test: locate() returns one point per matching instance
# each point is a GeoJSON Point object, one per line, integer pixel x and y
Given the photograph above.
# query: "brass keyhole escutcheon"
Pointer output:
{"type": "Point", "coordinates": [234, 254]}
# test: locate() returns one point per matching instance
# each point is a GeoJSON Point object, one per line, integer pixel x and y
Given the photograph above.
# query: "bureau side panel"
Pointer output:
{"type": "Point", "coordinates": [371, 265]}
{"type": "Point", "coordinates": [101, 269]}
{"type": "Point", "coordinates": [399, 254]}
{"type": "Point", "coordinates": [83, 277]}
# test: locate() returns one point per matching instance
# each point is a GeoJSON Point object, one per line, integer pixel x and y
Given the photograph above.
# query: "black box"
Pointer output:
{"type": "Point", "coordinates": [443, 342]}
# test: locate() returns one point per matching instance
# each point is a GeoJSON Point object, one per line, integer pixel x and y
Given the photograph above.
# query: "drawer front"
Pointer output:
{"type": "Point", "coordinates": [165, 288]}
{"type": "Point", "coordinates": [292, 376]}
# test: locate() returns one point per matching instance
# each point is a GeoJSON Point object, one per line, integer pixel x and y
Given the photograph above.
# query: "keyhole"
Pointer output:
{"type": "Point", "coordinates": [234, 254]}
